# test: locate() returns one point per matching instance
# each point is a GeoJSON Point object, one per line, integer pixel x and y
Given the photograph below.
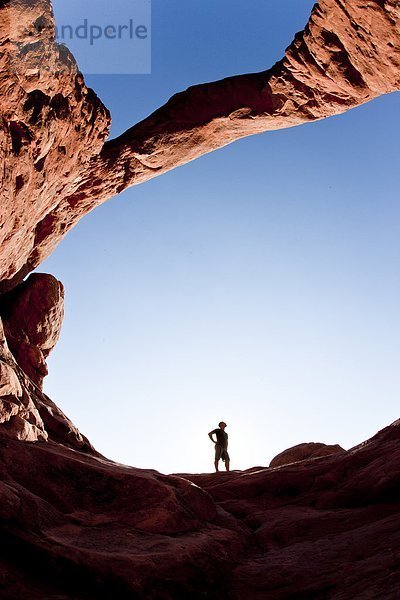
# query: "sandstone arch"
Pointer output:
{"type": "Point", "coordinates": [75, 525]}
{"type": "Point", "coordinates": [53, 140]}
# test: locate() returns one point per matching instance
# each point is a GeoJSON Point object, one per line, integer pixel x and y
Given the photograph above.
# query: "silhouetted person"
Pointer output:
{"type": "Point", "coordinates": [221, 445]}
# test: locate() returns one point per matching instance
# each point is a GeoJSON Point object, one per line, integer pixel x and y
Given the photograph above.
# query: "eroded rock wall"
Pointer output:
{"type": "Point", "coordinates": [52, 125]}
{"type": "Point", "coordinates": [32, 316]}
{"type": "Point", "coordinates": [30, 322]}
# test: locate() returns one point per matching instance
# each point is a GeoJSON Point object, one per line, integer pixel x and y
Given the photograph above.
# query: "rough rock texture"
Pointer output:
{"type": "Point", "coordinates": [52, 141]}
{"type": "Point", "coordinates": [32, 316]}
{"type": "Point", "coordinates": [75, 526]}
{"type": "Point", "coordinates": [30, 322]}
{"type": "Point", "coordinates": [51, 127]}
{"type": "Point", "coordinates": [303, 452]}
{"type": "Point", "coordinates": [26, 413]}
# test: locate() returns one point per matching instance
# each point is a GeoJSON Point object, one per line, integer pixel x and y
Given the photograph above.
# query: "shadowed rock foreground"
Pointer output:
{"type": "Point", "coordinates": [77, 526]}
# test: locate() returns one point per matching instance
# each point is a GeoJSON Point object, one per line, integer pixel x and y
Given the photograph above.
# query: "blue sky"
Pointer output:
{"type": "Point", "coordinates": [258, 284]}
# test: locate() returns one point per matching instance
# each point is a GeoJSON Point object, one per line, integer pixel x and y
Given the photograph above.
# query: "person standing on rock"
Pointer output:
{"type": "Point", "coordinates": [221, 445]}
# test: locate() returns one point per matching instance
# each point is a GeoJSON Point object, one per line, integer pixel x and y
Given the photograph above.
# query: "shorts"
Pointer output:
{"type": "Point", "coordinates": [221, 453]}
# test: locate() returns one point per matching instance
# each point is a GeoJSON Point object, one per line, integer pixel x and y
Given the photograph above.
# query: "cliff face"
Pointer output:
{"type": "Point", "coordinates": [29, 328]}
{"type": "Point", "coordinates": [51, 127]}
{"type": "Point", "coordinates": [76, 525]}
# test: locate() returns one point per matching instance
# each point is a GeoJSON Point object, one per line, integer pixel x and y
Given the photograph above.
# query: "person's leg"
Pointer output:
{"type": "Point", "coordinates": [218, 455]}
{"type": "Point", "coordinates": [226, 458]}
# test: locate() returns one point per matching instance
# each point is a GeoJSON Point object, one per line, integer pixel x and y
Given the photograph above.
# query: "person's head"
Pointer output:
{"type": "Point", "coordinates": [222, 425]}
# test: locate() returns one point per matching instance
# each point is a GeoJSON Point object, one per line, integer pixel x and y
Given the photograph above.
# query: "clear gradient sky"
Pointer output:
{"type": "Point", "coordinates": [258, 285]}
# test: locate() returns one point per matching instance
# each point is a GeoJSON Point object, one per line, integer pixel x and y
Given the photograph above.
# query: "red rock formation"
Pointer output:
{"type": "Point", "coordinates": [54, 128]}
{"type": "Point", "coordinates": [30, 323]}
{"type": "Point", "coordinates": [75, 525]}
{"type": "Point", "coordinates": [57, 165]}
{"type": "Point", "coordinates": [32, 317]}
{"type": "Point", "coordinates": [80, 527]}
{"type": "Point", "coordinates": [304, 452]}
{"type": "Point", "coordinates": [26, 413]}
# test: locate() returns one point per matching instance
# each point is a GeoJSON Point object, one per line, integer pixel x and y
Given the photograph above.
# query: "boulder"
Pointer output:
{"type": "Point", "coordinates": [26, 413]}
{"type": "Point", "coordinates": [32, 316]}
{"type": "Point", "coordinates": [304, 452]}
